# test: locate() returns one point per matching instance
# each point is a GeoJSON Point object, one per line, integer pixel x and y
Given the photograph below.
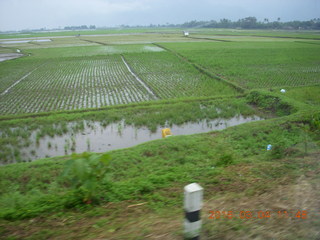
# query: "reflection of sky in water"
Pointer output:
{"type": "Point", "coordinates": [8, 56]}
{"type": "Point", "coordinates": [116, 136]}
{"type": "Point", "coordinates": [25, 41]}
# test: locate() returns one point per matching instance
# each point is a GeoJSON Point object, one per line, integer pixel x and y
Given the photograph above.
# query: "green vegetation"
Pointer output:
{"type": "Point", "coordinates": [17, 134]}
{"type": "Point", "coordinates": [65, 79]}
{"type": "Point", "coordinates": [151, 173]}
{"type": "Point", "coordinates": [91, 32]}
{"type": "Point", "coordinates": [137, 193]}
{"type": "Point", "coordinates": [84, 173]}
{"type": "Point", "coordinates": [255, 64]}
{"type": "Point", "coordinates": [170, 77]}
{"type": "Point", "coordinates": [309, 95]}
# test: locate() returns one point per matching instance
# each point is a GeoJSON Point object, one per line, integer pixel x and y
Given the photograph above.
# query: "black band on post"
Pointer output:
{"type": "Point", "coordinates": [193, 216]}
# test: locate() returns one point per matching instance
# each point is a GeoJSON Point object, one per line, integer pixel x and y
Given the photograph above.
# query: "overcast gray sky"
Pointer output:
{"type": "Point", "coordinates": [30, 14]}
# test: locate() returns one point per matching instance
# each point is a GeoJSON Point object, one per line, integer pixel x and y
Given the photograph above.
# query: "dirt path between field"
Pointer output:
{"type": "Point", "coordinates": [25, 76]}
{"type": "Point", "coordinates": [149, 90]}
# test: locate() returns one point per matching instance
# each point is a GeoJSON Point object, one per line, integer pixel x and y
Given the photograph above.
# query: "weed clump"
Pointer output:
{"type": "Point", "coordinates": [84, 173]}
{"type": "Point", "coordinates": [225, 160]}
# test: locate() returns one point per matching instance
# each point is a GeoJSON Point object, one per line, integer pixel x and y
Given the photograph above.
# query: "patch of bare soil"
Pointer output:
{"type": "Point", "coordinates": [293, 209]}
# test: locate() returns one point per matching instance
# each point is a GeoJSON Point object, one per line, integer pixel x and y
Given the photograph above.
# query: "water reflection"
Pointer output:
{"type": "Point", "coordinates": [97, 138]}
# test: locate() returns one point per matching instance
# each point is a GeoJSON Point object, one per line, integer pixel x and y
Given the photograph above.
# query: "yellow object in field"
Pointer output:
{"type": "Point", "coordinates": [166, 132]}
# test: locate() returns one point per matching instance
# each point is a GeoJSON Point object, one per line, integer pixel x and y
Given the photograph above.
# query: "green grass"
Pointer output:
{"type": "Point", "coordinates": [137, 172]}
{"type": "Point", "coordinates": [155, 173]}
{"type": "Point", "coordinates": [309, 95]}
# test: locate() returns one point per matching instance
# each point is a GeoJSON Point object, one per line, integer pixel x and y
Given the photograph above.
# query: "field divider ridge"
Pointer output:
{"type": "Point", "coordinates": [211, 39]}
{"type": "Point", "coordinates": [100, 43]}
{"type": "Point", "coordinates": [114, 107]}
{"type": "Point", "coordinates": [149, 90]}
{"type": "Point", "coordinates": [202, 69]}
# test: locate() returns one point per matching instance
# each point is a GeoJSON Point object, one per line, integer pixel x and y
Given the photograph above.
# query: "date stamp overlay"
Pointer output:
{"type": "Point", "coordinates": [258, 214]}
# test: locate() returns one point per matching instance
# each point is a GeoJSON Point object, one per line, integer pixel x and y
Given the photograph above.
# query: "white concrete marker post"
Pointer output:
{"type": "Point", "coordinates": [193, 195]}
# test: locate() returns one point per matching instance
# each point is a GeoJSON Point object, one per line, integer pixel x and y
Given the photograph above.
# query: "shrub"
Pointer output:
{"type": "Point", "coordinates": [85, 173]}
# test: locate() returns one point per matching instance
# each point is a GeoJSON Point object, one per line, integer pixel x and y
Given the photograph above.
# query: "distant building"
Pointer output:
{"type": "Point", "coordinates": [185, 33]}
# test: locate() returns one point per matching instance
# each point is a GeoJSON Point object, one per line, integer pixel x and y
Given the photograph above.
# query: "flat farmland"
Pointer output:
{"type": "Point", "coordinates": [77, 101]}
{"type": "Point", "coordinates": [257, 64]}
{"type": "Point", "coordinates": [79, 77]}
{"type": "Point", "coordinates": [171, 78]}
{"type": "Point", "coordinates": [74, 84]}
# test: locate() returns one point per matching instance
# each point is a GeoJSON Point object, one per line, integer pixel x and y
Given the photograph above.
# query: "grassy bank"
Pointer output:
{"type": "Point", "coordinates": [145, 182]}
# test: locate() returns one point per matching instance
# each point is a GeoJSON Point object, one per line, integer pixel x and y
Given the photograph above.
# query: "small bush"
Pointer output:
{"type": "Point", "coordinates": [85, 173]}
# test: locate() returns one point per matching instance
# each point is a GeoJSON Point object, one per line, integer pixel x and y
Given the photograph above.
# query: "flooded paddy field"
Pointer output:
{"type": "Point", "coordinates": [93, 136]}
{"type": "Point", "coordinates": [9, 56]}
{"type": "Point", "coordinates": [116, 127]}
{"type": "Point", "coordinates": [82, 72]}
{"type": "Point", "coordinates": [25, 41]}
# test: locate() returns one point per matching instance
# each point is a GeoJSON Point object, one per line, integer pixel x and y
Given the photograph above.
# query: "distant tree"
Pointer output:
{"type": "Point", "coordinates": [225, 23]}
{"type": "Point", "coordinates": [248, 22]}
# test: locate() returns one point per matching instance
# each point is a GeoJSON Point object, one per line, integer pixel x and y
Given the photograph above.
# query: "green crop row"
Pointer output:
{"type": "Point", "coordinates": [256, 64]}
{"type": "Point", "coordinates": [170, 77]}
{"type": "Point", "coordinates": [73, 84]}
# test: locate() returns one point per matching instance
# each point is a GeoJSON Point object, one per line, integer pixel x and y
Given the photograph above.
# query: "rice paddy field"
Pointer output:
{"type": "Point", "coordinates": [98, 91]}
{"type": "Point", "coordinates": [95, 71]}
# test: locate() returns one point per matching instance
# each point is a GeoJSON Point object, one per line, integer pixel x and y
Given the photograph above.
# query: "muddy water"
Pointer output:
{"type": "Point", "coordinates": [96, 138]}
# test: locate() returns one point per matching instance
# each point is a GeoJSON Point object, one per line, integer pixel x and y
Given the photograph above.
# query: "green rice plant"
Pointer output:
{"type": "Point", "coordinates": [66, 146]}
{"type": "Point", "coordinates": [120, 128]}
{"type": "Point", "coordinates": [170, 77]}
{"type": "Point", "coordinates": [73, 144]}
{"type": "Point", "coordinates": [88, 144]}
{"type": "Point", "coordinates": [253, 65]}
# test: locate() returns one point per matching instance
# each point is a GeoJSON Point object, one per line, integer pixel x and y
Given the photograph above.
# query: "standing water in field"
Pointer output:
{"type": "Point", "coordinates": [97, 138]}
{"type": "Point", "coordinates": [9, 56]}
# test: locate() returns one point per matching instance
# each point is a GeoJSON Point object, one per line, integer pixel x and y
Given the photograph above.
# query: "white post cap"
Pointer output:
{"type": "Point", "coordinates": [193, 197]}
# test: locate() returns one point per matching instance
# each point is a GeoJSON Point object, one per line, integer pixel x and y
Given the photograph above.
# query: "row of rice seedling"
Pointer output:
{"type": "Point", "coordinates": [279, 76]}
{"type": "Point", "coordinates": [13, 70]}
{"type": "Point", "coordinates": [74, 83]}
{"type": "Point", "coordinates": [171, 77]}
{"type": "Point", "coordinates": [256, 64]}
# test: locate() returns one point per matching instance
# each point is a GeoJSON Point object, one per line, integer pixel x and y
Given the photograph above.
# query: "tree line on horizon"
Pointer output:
{"type": "Point", "coordinates": [246, 23]}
